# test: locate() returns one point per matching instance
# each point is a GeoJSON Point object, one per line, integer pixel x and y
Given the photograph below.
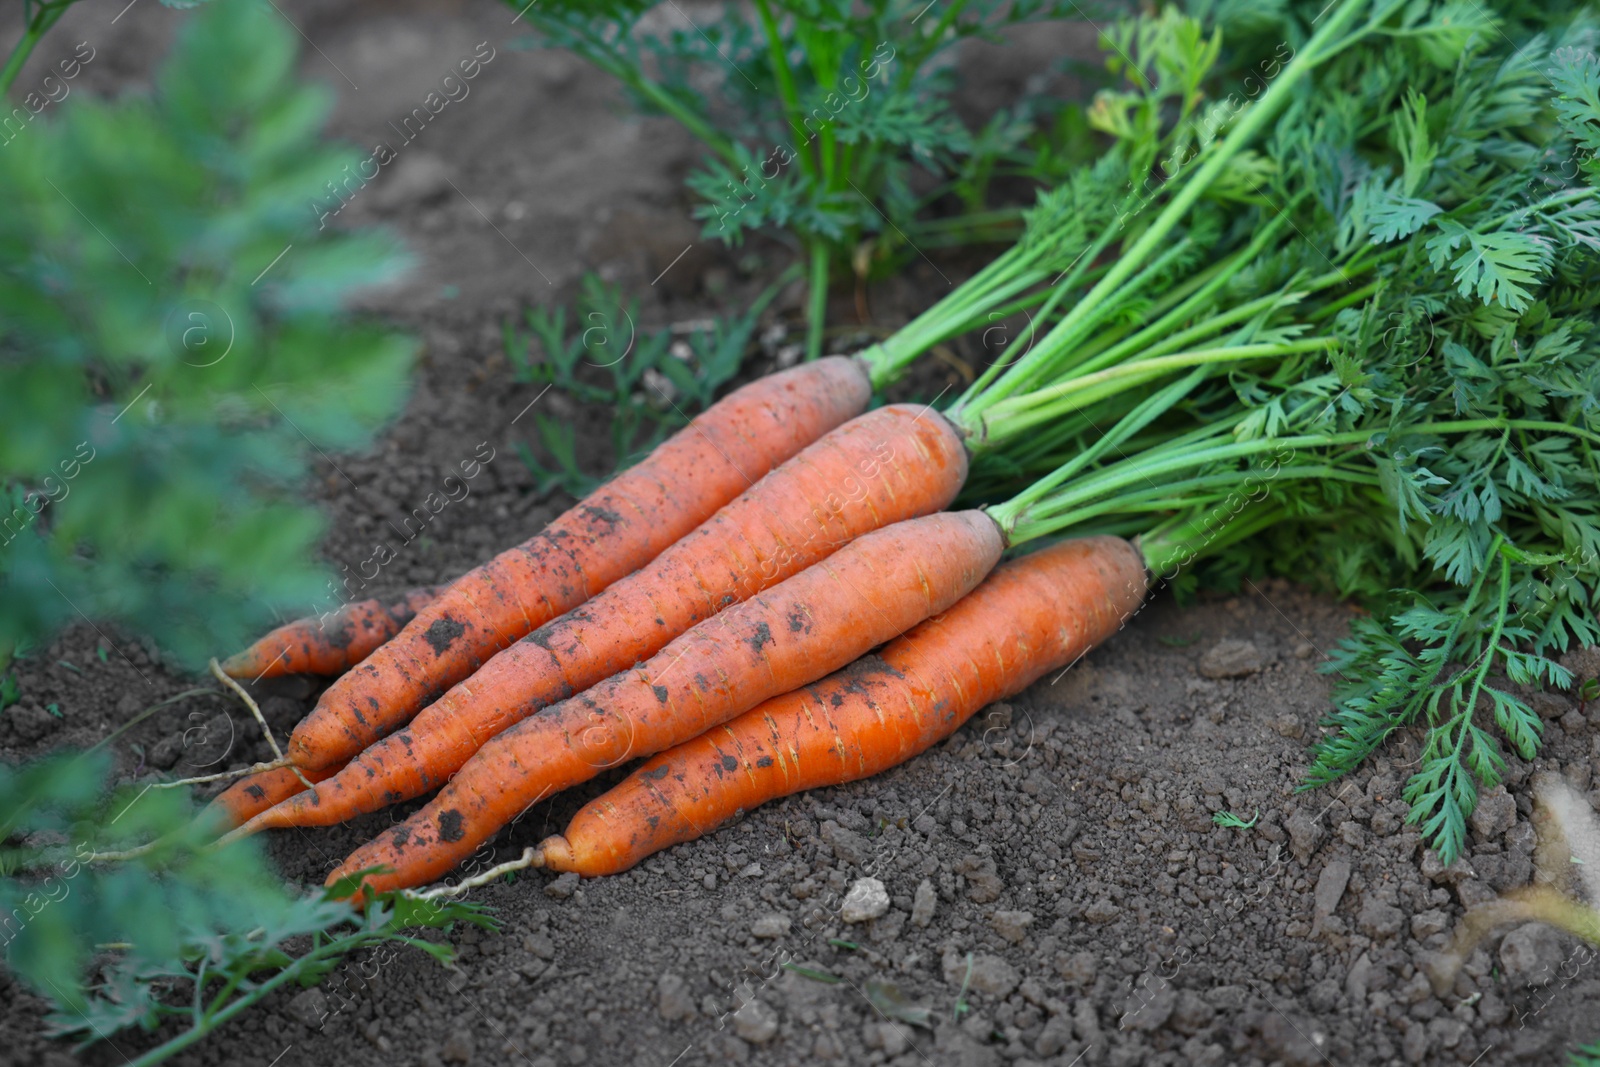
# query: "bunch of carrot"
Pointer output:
{"type": "Point", "coordinates": [706, 597]}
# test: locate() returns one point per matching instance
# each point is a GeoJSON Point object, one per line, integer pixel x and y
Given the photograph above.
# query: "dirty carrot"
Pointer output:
{"type": "Point", "coordinates": [1040, 394]}
{"type": "Point", "coordinates": [331, 643]}
{"type": "Point", "coordinates": [1082, 361]}
{"type": "Point", "coordinates": [895, 463]}
{"type": "Point", "coordinates": [812, 624]}
{"type": "Point", "coordinates": [615, 530]}
{"type": "Point", "coordinates": [868, 592]}
{"type": "Point", "coordinates": [1032, 615]}
{"type": "Point", "coordinates": [249, 797]}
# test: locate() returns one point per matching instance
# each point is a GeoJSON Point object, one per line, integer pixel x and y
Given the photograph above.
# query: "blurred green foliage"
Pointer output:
{"type": "Point", "coordinates": [174, 347]}
{"type": "Point", "coordinates": [178, 929]}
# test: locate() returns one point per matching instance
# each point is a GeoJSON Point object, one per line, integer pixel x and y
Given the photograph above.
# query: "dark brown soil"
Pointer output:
{"type": "Point", "coordinates": [1059, 893]}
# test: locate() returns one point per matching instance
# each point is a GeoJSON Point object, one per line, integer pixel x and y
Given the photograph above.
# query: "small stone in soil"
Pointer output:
{"type": "Point", "coordinates": [770, 926]}
{"type": "Point", "coordinates": [1495, 813]}
{"type": "Point", "coordinates": [1305, 833]}
{"type": "Point", "coordinates": [672, 998]}
{"type": "Point", "coordinates": [847, 845]}
{"type": "Point", "coordinates": [1530, 955]}
{"type": "Point", "coordinates": [755, 1022]}
{"type": "Point", "coordinates": [1330, 888]}
{"type": "Point", "coordinates": [457, 1048]}
{"type": "Point", "coordinates": [1102, 911]}
{"type": "Point", "coordinates": [563, 887]}
{"type": "Point", "coordinates": [1149, 1005]}
{"type": "Point", "coordinates": [1077, 969]}
{"type": "Point", "coordinates": [31, 723]}
{"type": "Point", "coordinates": [1434, 870]}
{"type": "Point", "coordinates": [1230, 659]}
{"type": "Point", "coordinates": [309, 1009]}
{"type": "Point", "coordinates": [1012, 925]}
{"type": "Point", "coordinates": [418, 178]}
{"type": "Point", "coordinates": [990, 975]}
{"type": "Point", "coordinates": [1425, 924]}
{"type": "Point", "coordinates": [1379, 919]}
{"type": "Point", "coordinates": [867, 899]}
{"type": "Point", "coordinates": [923, 904]}
{"type": "Point", "coordinates": [984, 883]}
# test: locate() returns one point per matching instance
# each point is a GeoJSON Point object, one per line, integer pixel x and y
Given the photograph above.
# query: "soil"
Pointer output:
{"type": "Point", "coordinates": [1058, 892]}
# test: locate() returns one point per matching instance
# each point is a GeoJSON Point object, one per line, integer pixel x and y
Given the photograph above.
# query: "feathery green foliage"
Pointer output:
{"type": "Point", "coordinates": [827, 121]}
{"type": "Point", "coordinates": [1229, 821]}
{"type": "Point", "coordinates": [178, 930]}
{"type": "Point", "coordinates": [174, 349]}
{"type": "Point", "coordinates": [1467, 386]}
{"type": "Point", "coordinates": [656, 384]}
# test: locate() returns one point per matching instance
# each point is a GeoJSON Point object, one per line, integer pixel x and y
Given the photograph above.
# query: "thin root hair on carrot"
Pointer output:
{"type": "Point", "coordinates": [532, 856]}
{"type": "Point", "coordinates": [202, 779]}
{"type": "Point", "coordinates": [223, 677]}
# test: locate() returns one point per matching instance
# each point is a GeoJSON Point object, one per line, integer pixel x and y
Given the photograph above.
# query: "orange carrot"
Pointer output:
{"type": "Point", "coordinates": [330, 643]}
{"type": "Point", "coordinates": [1032, 615]}
{"type": "Point", "coordinates": [615, 530]}
{"type": "Point", "coordinates": [249, 797]}
{"type": "Point", "coordinates": [895, 463]}
{"type": "Point", "coordinates": [866, 593]}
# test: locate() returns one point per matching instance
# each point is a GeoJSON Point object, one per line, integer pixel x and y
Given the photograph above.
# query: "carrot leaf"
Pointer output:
{"type": "Point", "coordinates": [175, 336]}
{"type": "Point", "coordinates": [117, 936]}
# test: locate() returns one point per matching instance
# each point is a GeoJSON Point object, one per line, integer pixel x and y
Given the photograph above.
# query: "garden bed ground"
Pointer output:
{"type": "Point", "coordinates": [1056, 859]}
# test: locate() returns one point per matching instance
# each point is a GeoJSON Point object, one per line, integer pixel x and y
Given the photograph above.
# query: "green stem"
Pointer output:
{"type": "Point", "coordinates": [985, 297]}
{"type": "Point", "coordinates": [199, 989]}
{"type": "Point", "coordinates": [1000, 216]}
{"type": "Point", "coordinates": [931, 41]}
{"type": "Point", "coordinates": [1137, 419]}
{"type": "Point", "coordinates": [1499, 619]}
{"type": "Point", "coordinates": [1177, 304]}
{"type": "Point", "coordinates": [1183, 453]}
{"type": "Point", "coordinates": [1177, 544]}
{"type": "Point", "coordinates": [223, 994]}
{"type": "Point", "coordinates": [210, 1022]}
{"type": "Point", "coordinates": [1349, 299]}
{"type": "Point", "coordinates": [1176, 341]}
{"type": "Point", "coordinates": [44, 17]}
{"type": "Point", "coordinates": [786, 85]}
{"type": "Point", "coordinates": [1012, 417]}
{"type": "Point", "coordinates": [1073, 325]}
{"type": "Point", "coordinates": [632, 75]}
{"type": "Point", "coordinates": [817, 309]}
{"type": "Point", "coordinates": [151, 710]}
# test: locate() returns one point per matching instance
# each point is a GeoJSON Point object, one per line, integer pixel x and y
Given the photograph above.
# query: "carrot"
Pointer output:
{"type": "Point", "coordinates": [1038, 401]}
{"type": "Point", "coordinates": [866, 593]}
{"type": "Point", "coordinates": [895, 463]}
{"type": "Point", "coordinates": [615, 530]}
{"type": "Point", "coordinates": [249, 797]}
{"type": "Point", "coordinates": [330, 643]}
{"type": "Point", "coordinates": [1032, 615]}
